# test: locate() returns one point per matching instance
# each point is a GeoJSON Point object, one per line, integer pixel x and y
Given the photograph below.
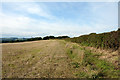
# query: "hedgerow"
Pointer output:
{"type": "Point", "coordinates": [109, 40]}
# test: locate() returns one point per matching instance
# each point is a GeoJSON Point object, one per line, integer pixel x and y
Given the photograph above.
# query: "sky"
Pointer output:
{"type": "Point", "coordinates": [34, 19]}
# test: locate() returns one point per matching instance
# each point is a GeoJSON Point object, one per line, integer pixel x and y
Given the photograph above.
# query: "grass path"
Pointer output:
{"type": "Point", "coordinates": [49, 58]}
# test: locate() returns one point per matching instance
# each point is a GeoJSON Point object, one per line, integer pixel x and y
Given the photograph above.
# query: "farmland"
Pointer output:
{"type": "Point", "coordinates": [57, 59]}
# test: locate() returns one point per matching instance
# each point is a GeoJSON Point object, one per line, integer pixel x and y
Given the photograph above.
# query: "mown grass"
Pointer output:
{"type": "Point", "coordinates": [96, 68]}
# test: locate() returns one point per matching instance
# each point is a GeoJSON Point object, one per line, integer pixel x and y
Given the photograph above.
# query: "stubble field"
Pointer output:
{"type": "Point", "coordinates": [56, 59]}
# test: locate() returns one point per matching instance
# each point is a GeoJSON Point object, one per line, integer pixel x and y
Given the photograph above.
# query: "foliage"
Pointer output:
{"type": "Point", "coordinates": [11, 40]}
{"type": "Point", "coordinates": [90, 65]}
{"type": "Point", "coordinates": [33, 39]}
{"type": "Point", "coordinates": [110, 40]}
{"type": "Point", "coordinates": [104, 68]}
{"type": "Point", "coordinates": [52, 37]}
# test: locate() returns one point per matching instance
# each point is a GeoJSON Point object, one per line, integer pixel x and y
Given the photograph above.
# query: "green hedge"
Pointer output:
{"type": "Point", "coordinates": [109, 40]}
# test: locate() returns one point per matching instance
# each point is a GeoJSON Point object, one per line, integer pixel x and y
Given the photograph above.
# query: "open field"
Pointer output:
{"type": "Point", "coordinates": [56, 59]}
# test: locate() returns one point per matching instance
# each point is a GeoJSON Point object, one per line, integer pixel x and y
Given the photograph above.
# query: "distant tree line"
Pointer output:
{"type": "Point", "coordinates": [52, 37]}
{"type": "Point", "coordinates": [109, 40]}
{"type": "Point", "coordinates": [11, 40]}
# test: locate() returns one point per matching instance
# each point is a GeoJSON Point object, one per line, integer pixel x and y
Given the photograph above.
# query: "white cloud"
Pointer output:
{"type": "Point", "coordinates": [33, 8]}
{"type": "Point", "coordinates": [27, 27]}
{"type": "Point", "coordinates": [23, 25]}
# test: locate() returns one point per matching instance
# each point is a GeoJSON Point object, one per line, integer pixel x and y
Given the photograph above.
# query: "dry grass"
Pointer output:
{"type": "Point", "coordinates": [35, 59]}
{"type": "Point", "coordinates": [48, 59]}
{"type": "Point", "coordinates": [108, 55]}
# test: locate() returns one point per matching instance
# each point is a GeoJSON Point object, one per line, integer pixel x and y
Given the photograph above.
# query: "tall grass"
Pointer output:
{"type": "Point", "coordinates": [96, 68]}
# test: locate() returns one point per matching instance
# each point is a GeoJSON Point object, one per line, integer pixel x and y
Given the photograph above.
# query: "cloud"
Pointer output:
{"type": "Point", "coordinates": [30, 8]}
{"type": "Point", "coordinates": [27, 27]}
{"type": "Point", "coordinates": [33, 19]}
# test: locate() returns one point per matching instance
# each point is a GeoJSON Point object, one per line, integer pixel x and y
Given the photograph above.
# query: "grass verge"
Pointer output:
{"type": "Point", "coordinates": [90, 65]}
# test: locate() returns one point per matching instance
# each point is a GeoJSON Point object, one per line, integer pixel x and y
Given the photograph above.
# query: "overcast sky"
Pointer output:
{"type": "Point", "coordinates": [23, 19]}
